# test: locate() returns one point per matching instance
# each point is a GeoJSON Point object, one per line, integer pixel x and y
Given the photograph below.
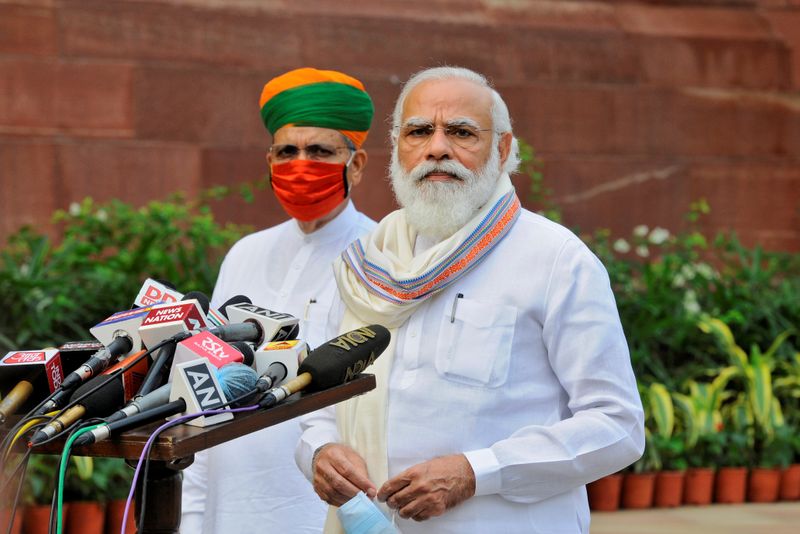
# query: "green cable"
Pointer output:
{"type": "Point", "coordinates": [63, 470]}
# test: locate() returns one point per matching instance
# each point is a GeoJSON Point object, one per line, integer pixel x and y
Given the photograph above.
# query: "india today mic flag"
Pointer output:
{"type": "Point", "coordinates": [166, 320]}
{"type": "Point", "coordinates": [290, 353]}
{"type": "Point", "coordinates": [207, 346]}
{"type": "Point", "coordinates": [16, 364]}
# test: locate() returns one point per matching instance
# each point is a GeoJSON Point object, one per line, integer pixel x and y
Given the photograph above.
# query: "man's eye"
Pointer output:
{"type": "Point", "coordinates": [460, 133]}
{"type": "Point", "coordinates": [318, 151]}
{"type": "Point", "coordinates": [419, 132]}
{"type": "Point", "coordinates": [288, 151]}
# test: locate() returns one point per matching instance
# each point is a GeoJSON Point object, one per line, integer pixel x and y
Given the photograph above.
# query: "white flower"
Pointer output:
{"type": "Point", "coordinates": [688, 271]}
{"type": "Point", "coordinates": [102, 216]}
{"type": "Point", "coordinates": [641, 230]}
{"type": "Point", "coordinates": [679, 280]}
{"type": "Point", "coordinates": [659, 235]}
{"type": "Point", "coordinates": [690, 303]}
{"type": "Point", "coordinates": [643, 251]}
{"type": "Point", "coordinates": [621, 246]}
{"type": "Point", "coordinates": [74, 209]}
{"type": "Point", "coordinates": [705, 270]}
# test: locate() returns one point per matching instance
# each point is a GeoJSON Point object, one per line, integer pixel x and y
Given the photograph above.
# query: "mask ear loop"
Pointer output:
{"type": "Point", "coordinates": [344, 174]}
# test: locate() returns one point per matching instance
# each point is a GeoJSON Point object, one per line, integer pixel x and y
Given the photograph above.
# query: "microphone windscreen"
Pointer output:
{"type": "Point", "coordinates": [340, 359]}
{"type": "Point", "coordinates": [236, 299]}
{"type": "Point", "coordinates": [107, 399]}
{"type": "Point", "coordinates": [201, 298]}
{"type": "Point", "coordinates": [236, 379]}
{"type": "Point", "coordinates": [246, 350]}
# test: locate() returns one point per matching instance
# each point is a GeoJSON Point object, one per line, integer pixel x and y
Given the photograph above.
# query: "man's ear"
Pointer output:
{"type": "Point", "coordinates": [504, 147]}
{"type": "Point", "coordinates": [356, 169]}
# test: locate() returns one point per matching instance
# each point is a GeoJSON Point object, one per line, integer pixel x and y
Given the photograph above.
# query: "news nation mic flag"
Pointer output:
{"type": "Point", "coordinates": [166, 320]}
{"type": "Point", "coordinates": [154, 292]}
{"type": "Point", "coordinates": [26, 377]}
{"type": "Point", "coordinates": [124, 323]}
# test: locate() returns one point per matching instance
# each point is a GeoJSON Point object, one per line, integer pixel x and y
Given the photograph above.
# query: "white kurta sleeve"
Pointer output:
{"type": "Point", "coordinates": [193, 495]}
{"type": "Point", "coordinates": [603, 429]}
{"type": "Point", "coordinates": [319, 428]}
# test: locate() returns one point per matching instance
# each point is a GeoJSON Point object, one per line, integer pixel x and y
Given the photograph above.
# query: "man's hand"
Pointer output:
{"type": "Point", "coordinates": [428, 489]}
{"type": "Point", "coordinates": [339, 474]}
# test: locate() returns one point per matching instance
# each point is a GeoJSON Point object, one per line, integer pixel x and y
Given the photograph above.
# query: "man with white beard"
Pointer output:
{"type": "Point", "coordinates": [507, 385]}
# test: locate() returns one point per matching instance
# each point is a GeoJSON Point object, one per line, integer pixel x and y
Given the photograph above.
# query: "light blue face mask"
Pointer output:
{"type": "Point", "coordinates": [359, 515]}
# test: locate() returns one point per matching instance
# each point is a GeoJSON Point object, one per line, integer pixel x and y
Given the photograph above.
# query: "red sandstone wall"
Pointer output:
{"type": "Point", "coordinates": [636, 108]}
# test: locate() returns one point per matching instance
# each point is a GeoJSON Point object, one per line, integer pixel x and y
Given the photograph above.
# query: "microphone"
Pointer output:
{"type": "Point", "coordinates": [277, 326]}
{"type": "Point", "coordinates": [101, 359]}
{"type": "Point", "coordinates": [111, 392]}
{"type": "Point", "coordinates": [335, 362]}
{"type": "Point", "coordinates": [236, 299]}
{"type": "Point", "coordinates": [200, 346]}
{"type": "Point", "coordinates": [31, 370]}
{"type": "Point", "coordinates": [190, 396]}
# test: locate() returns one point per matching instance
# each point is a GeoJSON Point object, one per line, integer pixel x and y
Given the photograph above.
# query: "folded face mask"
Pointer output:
{"type": "Point", "coordinates": [359, 515]}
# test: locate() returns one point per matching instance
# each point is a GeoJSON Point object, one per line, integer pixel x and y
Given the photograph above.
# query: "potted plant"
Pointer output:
{"type": "Point", "coordinates": [119, 477]}
{"type": "Point", "coordinates": [668, 447]}
{"type": "Point", "coordinates": [85, 491]}
{"type": "Point", "coordinates": [37, 493]}
{"type": "Point", "coordinates": [701, 408]}
{"type": "Point", "coordinates": [734, 455]}
{"type": "Point", "coordinates": [638, 483]}
{"type": "Point", "coordinates": [769, 436]}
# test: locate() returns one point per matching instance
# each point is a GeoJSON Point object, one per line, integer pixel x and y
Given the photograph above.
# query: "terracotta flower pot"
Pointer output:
{"type": "Point", "coordinates": [115, 511]}
{"type": "Point", "coordinates": [790, 483]}
{"type": "Point", "coordinates": [637, 490]}
{"type": "Point", "coordinates": [604, 493]}
{"type": "Point", "coordinates": [85, 517]}
{"type": "Point", "coordinates": [36, 519]}
{"type": "Point", "coordinates": [698, 487]}
{"type": "Point", "coordinates": [763, 484]}
{"type": "Point", "coordinates": [668, 490]}
{"type": "Point", "coordinates": [730, 485]}
{"type": "Point", "coordinates": [5, 516]}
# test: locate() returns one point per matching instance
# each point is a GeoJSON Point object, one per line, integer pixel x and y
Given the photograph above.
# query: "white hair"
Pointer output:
{"type": "Point", "coordinates": [501, 121]}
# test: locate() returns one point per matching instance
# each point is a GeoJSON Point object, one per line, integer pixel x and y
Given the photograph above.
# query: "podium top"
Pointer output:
{"type": "Point", "coordinates": [183, 441]}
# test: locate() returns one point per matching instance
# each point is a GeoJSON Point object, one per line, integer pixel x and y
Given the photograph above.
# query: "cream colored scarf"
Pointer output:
{"type": "Point", "coordinates": [381, 281]}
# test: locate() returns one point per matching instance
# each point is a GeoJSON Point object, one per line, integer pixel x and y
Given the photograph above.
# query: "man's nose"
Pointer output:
{"type": "Point", "coordinates": [439, 146]}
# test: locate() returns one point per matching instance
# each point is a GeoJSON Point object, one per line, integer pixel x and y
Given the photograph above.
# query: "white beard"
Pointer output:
{"type": "Point", "coordinates": [439, 209]}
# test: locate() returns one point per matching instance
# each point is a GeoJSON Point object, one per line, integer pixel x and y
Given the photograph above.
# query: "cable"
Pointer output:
{"type": "Point", "coordinates": [63, 470]}
{"type": "Point", "coordinates": [12, 515]}
{"type": "Point", "coordinates": [25, 428]}
{"type": "Point", "coordinates": [146, 452]}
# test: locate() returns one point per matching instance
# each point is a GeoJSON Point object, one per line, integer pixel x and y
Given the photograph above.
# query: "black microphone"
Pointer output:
{"type": "Point", "coordinates": [335, 362]}
{"type": "Point", "coordinates": [110, 395]}
{"type": "Point", "coordinates": [236, 299]}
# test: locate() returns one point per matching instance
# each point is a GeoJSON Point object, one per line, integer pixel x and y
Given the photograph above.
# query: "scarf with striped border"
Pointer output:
{"type": "Point", "coordinates": [381, 281]}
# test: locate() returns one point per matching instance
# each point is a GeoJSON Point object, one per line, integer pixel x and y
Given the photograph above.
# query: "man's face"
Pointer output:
{"type": "Point", "coordinates": [442, 104]}
{"type": "Point", "coordinates": [446, 161]}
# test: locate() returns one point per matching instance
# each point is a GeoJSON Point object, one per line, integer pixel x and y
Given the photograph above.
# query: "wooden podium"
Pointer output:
{"type": "Point", "coordinates": [175, 447]}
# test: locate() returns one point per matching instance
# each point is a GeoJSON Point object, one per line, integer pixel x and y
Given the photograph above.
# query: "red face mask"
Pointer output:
{"type": "Point", "coordinates": [308, 190]}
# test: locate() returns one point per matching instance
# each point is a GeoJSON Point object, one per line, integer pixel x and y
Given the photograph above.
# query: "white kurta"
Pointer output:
{"type": "Point", "coordinates": [523, 366]}
{"type": "Point", "coordinates": [251, 484]}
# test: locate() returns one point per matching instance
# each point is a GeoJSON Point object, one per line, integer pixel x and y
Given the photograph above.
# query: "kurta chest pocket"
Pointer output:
{"type": "Point", "coordinates": [474, 345]}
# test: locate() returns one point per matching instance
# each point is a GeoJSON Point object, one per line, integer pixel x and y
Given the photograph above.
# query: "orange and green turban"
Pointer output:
{"type": "Point", "coordinates": [321, 98]}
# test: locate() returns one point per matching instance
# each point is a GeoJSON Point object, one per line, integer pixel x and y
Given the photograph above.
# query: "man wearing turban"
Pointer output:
{"type": "Point", "coordinates": [318, 121]}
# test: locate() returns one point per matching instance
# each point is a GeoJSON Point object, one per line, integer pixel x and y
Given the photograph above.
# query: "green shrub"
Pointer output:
{"type": "Point", "coordinates": [52, 293]}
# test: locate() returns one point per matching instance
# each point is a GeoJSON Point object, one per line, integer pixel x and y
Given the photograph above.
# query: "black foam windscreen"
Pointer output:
{"type": "Point", "coordinates": [107, 399]}
{"type": "Point", "coordinates": [236, 299]}
{"type": "Point", "coordinates": [246, 350]}
{"type": "Point", "coordinates": [201, 298]}
{"type": "Point", "coordinates": [341, 359]}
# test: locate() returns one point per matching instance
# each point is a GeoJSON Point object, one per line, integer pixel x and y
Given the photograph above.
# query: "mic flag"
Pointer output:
{"type": "Point", "coordinates": [24, 372]}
